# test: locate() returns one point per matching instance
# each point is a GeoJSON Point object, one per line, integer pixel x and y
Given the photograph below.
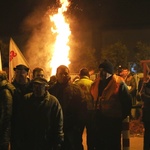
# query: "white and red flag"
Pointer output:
{"type": "Point", "coordinates": [0, 61]}
{"type": "Point", "coordinates": [15, 58]}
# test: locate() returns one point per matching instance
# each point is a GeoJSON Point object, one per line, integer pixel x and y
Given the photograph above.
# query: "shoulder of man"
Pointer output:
{"type": "Point", "coordinates": [73, 89]}
{"type": "Point", "coordinates": [9, 87]}
{"type": "Point", "coordinates": [50, 97]}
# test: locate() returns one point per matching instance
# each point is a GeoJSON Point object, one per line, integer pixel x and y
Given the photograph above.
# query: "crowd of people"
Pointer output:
{"type": "Point", "coordinates": [39, 115]}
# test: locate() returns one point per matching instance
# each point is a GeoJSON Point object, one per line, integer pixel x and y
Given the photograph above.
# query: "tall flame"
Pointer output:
{"type": "Point", "coordinates": [62, 29]}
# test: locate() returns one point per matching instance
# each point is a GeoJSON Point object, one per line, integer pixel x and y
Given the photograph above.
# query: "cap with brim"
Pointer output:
{"type": "Point", "coordinates": [21, 67]}
{"type": "Point", "coordinates": [40, 80]}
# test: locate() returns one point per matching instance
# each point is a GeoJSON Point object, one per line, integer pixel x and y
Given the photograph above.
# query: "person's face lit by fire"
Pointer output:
{"type": "Point", "coordinates": [63, 75]}
{"type": "Point", "coordinates": [21, 76]}
{"type": "Point", "coordinates": [39, 89]}
{"type": "Point", "coordinates": [39, 74]}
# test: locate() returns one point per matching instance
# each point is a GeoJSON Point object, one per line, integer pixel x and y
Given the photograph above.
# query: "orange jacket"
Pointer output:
{"type": "Point", "coordinates": [110, 103]}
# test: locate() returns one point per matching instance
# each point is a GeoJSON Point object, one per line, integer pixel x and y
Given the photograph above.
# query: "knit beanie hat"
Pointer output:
{"type": "Point", "coordinates": [107, 66]}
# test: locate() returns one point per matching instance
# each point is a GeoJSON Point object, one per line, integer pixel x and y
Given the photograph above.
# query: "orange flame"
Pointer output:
{"type": "Point", "coordinates": [61, 49]}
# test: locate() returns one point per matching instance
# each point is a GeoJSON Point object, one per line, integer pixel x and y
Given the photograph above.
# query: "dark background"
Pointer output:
{"type": "Point", "coordinates": [106, 13]}
{"type": "Point", "coordinates": [97, 22]}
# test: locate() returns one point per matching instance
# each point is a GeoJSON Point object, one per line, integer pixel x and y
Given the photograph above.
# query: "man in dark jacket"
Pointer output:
{"type": "Point", "coordinates": [21, 83]}
{"type": "Point", "coordinates": [42, 119]}
{"type": "Point", "coordinates": [145, 95]}
{"type": "Point", "coordinates": [71, 100]}
{"type": "Point", "coordinates": [113, 104]}
{"type": "Point", "coordinates": [6, 99]}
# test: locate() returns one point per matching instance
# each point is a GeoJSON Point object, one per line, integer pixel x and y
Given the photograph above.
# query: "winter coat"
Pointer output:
{"type": "Point", "coordinates": [145, 95]}
{"type": "Point", "coordinates": [6, 99]}
{"type": "Point", "coordinates": [21, 90]}
{"type": "Point", "coordinates": [73, 104]}
{"type": "Point", "coordinates": [42, 123]}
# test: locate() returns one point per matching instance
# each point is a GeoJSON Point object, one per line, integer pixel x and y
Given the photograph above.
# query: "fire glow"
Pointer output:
{"type": "Point", "coordinates": [62, 30]}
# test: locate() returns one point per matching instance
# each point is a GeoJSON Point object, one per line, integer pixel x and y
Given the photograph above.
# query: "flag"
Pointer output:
{"type": "Point", "coordinates": [15, 58]}
{"type": "Point", "coordinates": [0, 61]}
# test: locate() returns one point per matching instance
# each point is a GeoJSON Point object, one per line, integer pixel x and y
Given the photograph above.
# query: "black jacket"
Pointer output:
{"type": "Point", "coordinates": [73, 104]}
{"type": "Point", "coordinates": [146, 101]}
{"type": "Point", "coordinates": [21, 90]}
{"type": "Point", "coordinates": [42, 123]}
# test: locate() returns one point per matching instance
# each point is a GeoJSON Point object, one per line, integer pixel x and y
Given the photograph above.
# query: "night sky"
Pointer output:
{"type": "Point", "coordinates": [104, 14]}
{"type": "Point", "coordinates": [12, 14]}
{"type": "Point", "coordinates": [96, 23]}
{"type": "Point", "coordinates": [111, 13]}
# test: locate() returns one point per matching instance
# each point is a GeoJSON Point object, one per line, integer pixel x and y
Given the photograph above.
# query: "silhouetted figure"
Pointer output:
{"type": "Point", "coordinates": [145, 95]}
{"type": "Point", "coordinates": [73, 105]}
{"type": "Point", "coordinates": [85, 83]}
{"type": "Point", "coordinates": [131, 84]}
{"type": "Point", "coordinates": [52, 81]}
{"type": "Point", "coordinates": [42, 119]}
{"type": "Point", "coordinates": [21, 83]}
{"type": "Point", "coordinates": [7, 91]}
{"type": "Point", "coordinates": [113, 104]}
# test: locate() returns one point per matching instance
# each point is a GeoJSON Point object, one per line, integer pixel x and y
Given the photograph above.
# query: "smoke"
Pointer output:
{"type": "Point", "coordinates": [39, 46]}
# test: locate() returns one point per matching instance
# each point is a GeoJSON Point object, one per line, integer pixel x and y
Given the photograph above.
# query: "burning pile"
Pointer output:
{"type": "Point", "coordinates": [62, 30]}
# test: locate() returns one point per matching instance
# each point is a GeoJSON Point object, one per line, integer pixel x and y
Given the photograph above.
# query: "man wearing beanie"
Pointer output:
{"type": "Point", "coordinates": [113, 104]}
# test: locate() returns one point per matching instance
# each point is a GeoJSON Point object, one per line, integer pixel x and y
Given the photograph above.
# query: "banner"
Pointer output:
{"type": "Point", "coordinates": [15, 58]}
{"type": "Point", "coordinates": [0, 61]}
